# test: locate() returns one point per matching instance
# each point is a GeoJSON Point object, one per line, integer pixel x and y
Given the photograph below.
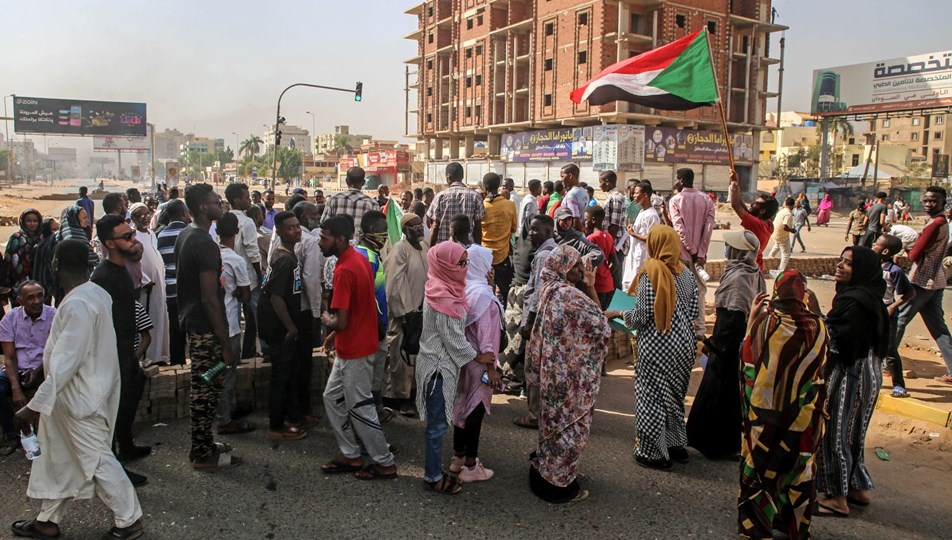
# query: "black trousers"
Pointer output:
{"type": "Point", "coordinates": [284, 401]}
{"type": "Point", "coordinates": [504, 274]}
{"type": "Point", "coordinates": [466, 440]}
{"type": "Point", "coordinates": [176, 335]}
{"type": "Point", "coordinates": [131, 384]}
{"type": "Point", "coordinates": [605, 299]}
{"type": "Point", "coordinates": [249, 347]}
{"type": "Point", "coordinates": [893, 362]}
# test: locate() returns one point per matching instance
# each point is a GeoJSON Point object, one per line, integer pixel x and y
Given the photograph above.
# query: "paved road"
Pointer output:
{"type": "Point", "coordinates": [280, 493]}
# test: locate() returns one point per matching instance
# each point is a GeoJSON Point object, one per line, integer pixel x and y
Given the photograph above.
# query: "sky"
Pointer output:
{"type": "Point", "coordinates": [215, 67]}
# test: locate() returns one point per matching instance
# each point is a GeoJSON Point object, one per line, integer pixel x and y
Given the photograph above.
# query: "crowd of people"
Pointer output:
{"type": "Point", "coordinates": [469, 292]}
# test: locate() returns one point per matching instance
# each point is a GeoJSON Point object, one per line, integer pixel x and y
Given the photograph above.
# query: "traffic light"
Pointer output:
{"type": "Point", "coordinates": [277, 138]}
{"type": "Point", "coordinates": [280, 119]}
{"type": "Point", "coordinates": [358, 92]}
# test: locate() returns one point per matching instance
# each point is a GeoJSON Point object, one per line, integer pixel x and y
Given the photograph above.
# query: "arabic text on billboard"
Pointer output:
{"type": "Point", "coordinates": [673, 145]}
{"type": "Point", "coordinates": [914, 82]}
{"type": "Point", "coordinates": [561, 144]}
{"type": "Point", "coordinates": [126, 144]}
{"type": "Point", "coordinates": [78, 117]}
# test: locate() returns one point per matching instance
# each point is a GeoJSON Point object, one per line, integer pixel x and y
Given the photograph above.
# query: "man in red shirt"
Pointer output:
{"type": "Point", "coordinates": [352, 323]}
{"type": "Point", "coordinates": [758, 219]}
{"type": "Point", "coordinates": [604, 284]}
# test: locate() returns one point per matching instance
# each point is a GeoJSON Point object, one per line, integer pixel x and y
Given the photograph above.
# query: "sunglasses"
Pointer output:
{"type": "Point", "coordinates": [127, 236]}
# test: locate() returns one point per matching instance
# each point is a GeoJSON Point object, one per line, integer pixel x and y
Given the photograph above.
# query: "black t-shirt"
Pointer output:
{"type": "Point", "coordinates": [117, 282]}
{"type": "Point", "coordinates": [284, 280]}
{"type": "Point", "coordinates": [196, 252]}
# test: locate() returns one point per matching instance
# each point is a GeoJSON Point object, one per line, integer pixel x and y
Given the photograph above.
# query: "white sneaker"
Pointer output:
{"type": "Point", "coordinates": [476, 473]}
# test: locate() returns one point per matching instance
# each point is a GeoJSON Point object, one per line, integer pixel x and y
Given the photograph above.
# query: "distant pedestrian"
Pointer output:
{"type": "Point", "coordinates": [801, 218]}
{"type": "Point", "coordinates": [89, 206]}
{"type": "Point", "coordinates": [856, 226]}
{"type": "Point", "coordinates": [824, 210]}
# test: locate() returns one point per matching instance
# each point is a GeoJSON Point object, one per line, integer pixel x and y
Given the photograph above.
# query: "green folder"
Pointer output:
{"type": "Point", "coordinates": [621, 302]}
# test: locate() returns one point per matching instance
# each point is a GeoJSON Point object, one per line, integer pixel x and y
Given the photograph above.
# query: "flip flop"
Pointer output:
{"type": "Point", "coordinates": [944, 379]}
{"type": "Point", "coordinates": [373, 473]}
{"type": "Point", "coordinates": [857, 502]}
{"type": "Point", "coordinates": [236, 427]}
{"type": "Point", "coordinates": [581, 496]}
{"type": "Point", "coordinates": [290, 434]}
{"type": "Point", "coordinates": [446, 486]}
{"type": "Point", "coordinates": [337, 467]}
{"type": "Point", "coordinates": [826, 511]}
{"type": "Point", "coordinates": [27, 528]}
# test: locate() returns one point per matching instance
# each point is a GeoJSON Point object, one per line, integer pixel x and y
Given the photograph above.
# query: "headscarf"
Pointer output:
{"type": "Point", "coordinates": [664, 250]}
{"type": "Point", "coordinates": [858, 320]}
{"type": "Point", "coordinates": [33, 236]}
{"type": "Point", "coordinates": [789, 295]}
{"type": "Point", "coordinates": [826, 203]}
{"type": "Point", "coordinates": [479, 293]}
{"type": "Point", "coordinates": [446, 280]}
{"type": "Point", "coordinates": [742, 279]}
{"type": "Point", "coordinates": [555, 271]}
{"type": "Point", "coordinates": [18, 256]}
{"type": "Point", "coordinates": [69, 225]}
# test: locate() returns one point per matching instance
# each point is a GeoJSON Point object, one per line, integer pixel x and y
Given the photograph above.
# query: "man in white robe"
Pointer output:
{"type": "Point", "coordinates": [76, 408]}
{"type": "Point", "coordinates": [152, 297]}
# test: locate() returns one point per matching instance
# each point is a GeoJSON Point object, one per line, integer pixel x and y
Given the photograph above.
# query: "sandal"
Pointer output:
{"type": "Point", "coordinates": [527, 421]}
{"type": "Point", "coordinates": [307, 422]}
{"type": "Point", "coordinates": [222, 460]}
{"type": "Point", "coordinates": [290, 434]}
{"type": "Point", "coordinates": [447, 486]}
{"type": "Point", "coordinates": [236, 427]}
{"type": "Point", "coordinates": [375, 472]}
{"type": "Point", "coordinates": [580, 496]}
{"type": "Point", "coordinates": [944, 379]}
{"type": "Point", "coordinates": [9, 446]}
{"type": "Point", "coordinates": [899, 392]}
{"type": "Point", "coordinates": [855, 501]}
{"type": "Point", "coordinates": [826, 511]}
{"type": "Point", "coordinates": [136, 530]}
{"type": "Point", "coordinates": [27, 528]}
{"type": "Point", "coordinates": [339, 466]}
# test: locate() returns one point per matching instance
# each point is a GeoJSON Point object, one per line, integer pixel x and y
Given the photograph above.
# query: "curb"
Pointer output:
{"type": "Point", "coordinates": [913, 408]}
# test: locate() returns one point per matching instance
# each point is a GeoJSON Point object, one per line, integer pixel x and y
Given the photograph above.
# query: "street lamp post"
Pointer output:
{"type": "Point", "coordinates": [277, 118]}
{"type": "Point", "coordinates": [235, 154]}
{"type": "Point", "coordinates": [313, 131]}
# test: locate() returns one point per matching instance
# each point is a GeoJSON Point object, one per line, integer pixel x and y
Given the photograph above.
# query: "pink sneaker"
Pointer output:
{"type": "Point", "coordinates": [476, 473]}
{"type": "Point", "coordinates": [456, 464]}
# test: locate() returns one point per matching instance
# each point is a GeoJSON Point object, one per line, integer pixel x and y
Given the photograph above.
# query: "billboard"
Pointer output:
{"type": "Point", "coordinates": [618, 147]}
{"type": "Point", "coordinates": [78, 117]}
{"type": "Point", "coordinates": [900, 84]}
{"type": "Point", "coordinates": [559, 144]}
{"type": "Point", "coordinates": [674, 145]}
{"type": "Point", "coordinates": [109, 143]}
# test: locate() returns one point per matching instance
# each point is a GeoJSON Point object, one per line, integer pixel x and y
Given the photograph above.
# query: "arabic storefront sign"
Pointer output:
{"type": "Point", "coordinates": [673, 145]}
{"type": "Point", "coordinates": [561, 144]}
{"type": "Point", "coordinates": [912, 82]}
{"type": "Point", "coordinates": [618, 147]}
{"type": "Point", "coordinates": [78, 117]}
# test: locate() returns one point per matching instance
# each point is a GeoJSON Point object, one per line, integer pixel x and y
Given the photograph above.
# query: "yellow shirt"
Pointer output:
{"type": "Point", "coordinates": [499, 225]}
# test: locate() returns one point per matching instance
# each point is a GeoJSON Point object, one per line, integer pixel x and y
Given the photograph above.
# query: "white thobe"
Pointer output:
{"type": "Point", "coordinates": [78, 402]}
{"type": "Point", "coordinates": [153, 267]}
{"type": "Point", "coordinates": [311, 259]}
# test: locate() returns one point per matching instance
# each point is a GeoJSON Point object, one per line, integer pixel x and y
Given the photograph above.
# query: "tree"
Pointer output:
{"type": "Point", "coordinates": [3, 159]}
{"type": "Point", "coordinates": [226, 156]}
{"type": "Point", "coordinates": [251, 146]}
{"type": "Point", "coordinates": [342, 145]}
{"type": "Point", "coordinates": [289, 162]}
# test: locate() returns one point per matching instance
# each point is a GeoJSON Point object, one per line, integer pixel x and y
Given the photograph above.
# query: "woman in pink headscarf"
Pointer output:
{"type": "Point", "coordinates": [443, 351]}
{"type": "Point", "coordinates": [824, 209]}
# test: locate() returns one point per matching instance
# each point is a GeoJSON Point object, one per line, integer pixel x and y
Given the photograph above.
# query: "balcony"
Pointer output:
{"type": "Point", "coordinates": [746, 22]}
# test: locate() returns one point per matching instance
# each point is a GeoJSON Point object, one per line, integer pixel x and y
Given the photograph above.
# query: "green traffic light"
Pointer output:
{"type": "Point", "coordinates": [359, 91]}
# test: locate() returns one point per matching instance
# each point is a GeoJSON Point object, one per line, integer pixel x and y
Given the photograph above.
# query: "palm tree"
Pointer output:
{"type": "Point", "coordinates": [251, 146]}
{"type": "Point", "coordinates": [342, 145]}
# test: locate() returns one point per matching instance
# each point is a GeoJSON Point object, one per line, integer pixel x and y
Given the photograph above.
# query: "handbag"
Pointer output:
{"type": "Point", "coordinates": [412, 326]}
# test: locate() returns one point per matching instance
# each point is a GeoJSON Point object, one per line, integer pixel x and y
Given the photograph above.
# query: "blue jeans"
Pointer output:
{"type": "Point", "coordinates": [435, 429]}
{"type": "Point", "coordinates": [928, 303]}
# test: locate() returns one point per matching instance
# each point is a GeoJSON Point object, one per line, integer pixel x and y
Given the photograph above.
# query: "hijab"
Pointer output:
{"type": "Point", "coordinates": [555, 271]}
{"type": "Point", "coordinates": [826, 203]}
{"type": "Point", "coordinates": [446, 280]}
{"type": "Point", "coordinates": [69, 225]}
{"type": "Point", "coordinates": [789, 296]}
{"type": "Point", "coordinates": [664, 250]}
{"type": "Point", "coordinates": [858, 320]}
{"type": "Point", "coordinates": [742, 279]}
{"type": "Point", "coordinates": [480, 295]}
{"type": "Point", "coordinates": [32, 236]}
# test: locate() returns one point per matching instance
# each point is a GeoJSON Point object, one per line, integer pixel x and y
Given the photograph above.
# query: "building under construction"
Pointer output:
{"type": "Point", "coordinates": [493, 78]}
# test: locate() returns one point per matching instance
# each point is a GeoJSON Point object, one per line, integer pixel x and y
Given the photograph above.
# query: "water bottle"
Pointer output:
{"type": "Point", "coordinates": [212, 373]}
{"type": "Point", "coordinates": [31, 446]}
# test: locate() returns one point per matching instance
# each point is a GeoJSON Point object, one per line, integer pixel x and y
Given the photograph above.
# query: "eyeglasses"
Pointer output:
{"type": "Point", "coordinates": [127, 236]}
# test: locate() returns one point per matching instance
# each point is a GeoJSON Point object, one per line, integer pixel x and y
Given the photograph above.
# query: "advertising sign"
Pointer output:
{"type": "Point", "coordinates": [78, 117]}
{"type": "Point", "coordinates": [560, 144]}
{"type": "Point", "coordinates": [899, 84]}
{"type": "Point", "coordinates": [618, 148]}
{"type": "Point", "coordinates": [673, 145]}
{"type": "Point", "coordinates": [126, 144]}
{"type": "Point", "coordinates": [940, 166]}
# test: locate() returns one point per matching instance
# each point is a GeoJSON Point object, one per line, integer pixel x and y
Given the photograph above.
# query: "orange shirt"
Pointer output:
{"type": "Point", "coordinates": [499, 225]}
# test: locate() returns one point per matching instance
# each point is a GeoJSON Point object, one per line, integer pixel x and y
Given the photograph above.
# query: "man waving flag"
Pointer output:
{"type": "Point", "coordinates": [676, 77]}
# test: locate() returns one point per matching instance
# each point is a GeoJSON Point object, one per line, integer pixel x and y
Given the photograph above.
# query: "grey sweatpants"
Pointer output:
{"type": "Point", "coordinates": [228, 401]}
{"type": "Point", "coordinates": [349, 404]}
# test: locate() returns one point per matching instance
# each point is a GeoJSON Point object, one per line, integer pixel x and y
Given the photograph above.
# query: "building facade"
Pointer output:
{"type": "Point", "coordinates": [925, 134]}
{"type": "Point", "coordinates": [168, 144]}
{"type": "Point", "coordinates": [291, 137]}
{"type": "Point", "coordinates": [326, 143]}
{"type": "Point", "coordinates": [487, 69]}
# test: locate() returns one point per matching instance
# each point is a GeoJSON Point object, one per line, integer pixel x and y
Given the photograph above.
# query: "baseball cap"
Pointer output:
{"type": "Point", "coordinates": [563, 213]}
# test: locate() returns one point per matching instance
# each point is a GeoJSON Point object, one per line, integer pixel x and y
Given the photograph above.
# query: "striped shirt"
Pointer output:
{"type": "Point", "coordinates": [166, 244]}
{"type": "Point", "coordinates": [352, 203]}
{"type": "Point", "coordinates": [143, 324]}
{"type": "Point", "coordinates": [444, 350]}
{"type": "Point", "coordinates": [456, 199]}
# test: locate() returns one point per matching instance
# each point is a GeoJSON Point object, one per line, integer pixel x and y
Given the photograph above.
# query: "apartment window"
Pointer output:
{"type": "Point", "coordinates": [549, 28]}
{"type": "Point", "coordinates": [582, 19]}
{"type": "Point", "coordinates": [925, 150]}
{"type": "Point", "coordinates": [429, 91]}
{"type": "Point", "coordinates": [886, 122]}
{"type": "Point", "coordinates": [469, 53]}
{"type": "Point", "coordinates": [429, 38]}
{"type": "Point", "coordinates": [851, 140]}
{"type": "Point", "coordinates": [855, 160]}
{"type": "Point", "coordinates": [745, 44]}
{"type": "Point", "coordinates": [914, 136]}
{"type": "Point", "coordinates": [547, 100]}
{"type": "Point", "coordinates": [582, 57]}
{"type": "Point", "coordinates": [479, 20]}
{"type": "Point", "coordinates": [479, 50]}
{"type": "Point", "coordinates": [938, 120]}
{"type": "Point", "coordinates": [429, 64]}
{"type": "Point", "coordinates": [680, 20]}
{"type": "Point", "coordinates": [429, 118]}
{"type": "Point", "coordinates": [936, 135]}
{"type": "Point", "coordinates": [547, 65]}
{"type": "Point", "coordinates": [469, 24]}
{"type": "Point", "coordinates": [635, 23]}
{"type": "Point", "coordinates": [885, 137]}
{"type": "Point", "coordinates": [469, 82]}
{"type": "Point", "coordinates": [479, 80]}
{"type": "Point", "coordinates": [479, 111]}
{"type": "Point", "coordinates": [469, 112]}
{"type": "Point", "coordinates": [711, 27]}
{"type": "Point", "coordinates": [915, 121]}
{"type": "Point", "coordinates": [429, 11]}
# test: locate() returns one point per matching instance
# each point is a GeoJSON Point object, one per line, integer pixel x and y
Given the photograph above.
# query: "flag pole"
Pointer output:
{"type": "Point", "coordinates": [720, 102]}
